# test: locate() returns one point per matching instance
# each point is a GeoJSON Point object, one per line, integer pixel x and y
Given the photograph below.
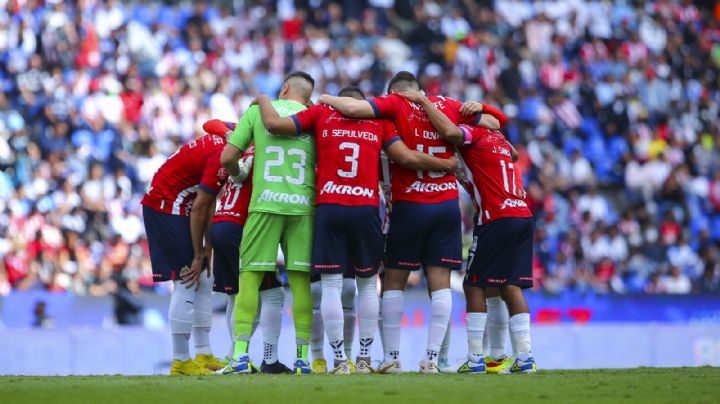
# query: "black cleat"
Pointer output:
{"type": "Point", "coordinates": [274, 368]}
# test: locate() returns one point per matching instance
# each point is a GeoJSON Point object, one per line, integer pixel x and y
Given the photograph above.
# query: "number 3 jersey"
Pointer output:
{"type": "Point", "coordinates": [350, 148]}
{"type": "Point", "coordinates": [235, 199]}
{"type": "Point", "coordinates": [195, 166]}
{"type": "Point", "coordinates": [283, 168]}
{"type": "Point", "coordinates": [494, 185]}
{"type": "Point", "coordinates": [419, 134]}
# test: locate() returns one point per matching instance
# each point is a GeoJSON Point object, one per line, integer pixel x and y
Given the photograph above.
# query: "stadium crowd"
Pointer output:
{"type": "Point", "coordinates": [614, 109]}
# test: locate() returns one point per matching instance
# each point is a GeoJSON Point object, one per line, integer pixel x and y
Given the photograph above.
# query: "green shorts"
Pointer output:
{"type": "Point", "coordinates": [263, 233]}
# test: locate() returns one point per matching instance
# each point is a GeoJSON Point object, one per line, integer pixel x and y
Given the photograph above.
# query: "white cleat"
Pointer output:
{"type": "Point", "coordinates": [341, 368]}
{"type": "Point", "coordinates": [428, 367]}
{"type": "Point", "coordinates": [444, 366]}
{"type": "Point", "coordinates": [362, 365]}
{"type": "Point", "coordinates": [389, 367]}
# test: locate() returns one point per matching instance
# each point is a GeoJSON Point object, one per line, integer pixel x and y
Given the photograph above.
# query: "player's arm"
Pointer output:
{"type": "Point", "coordinates": [239, 141]}
{"type": "Point", "coordinates": [200, 216]}
{"type": "Point", "coordinates": [445, 127]}
{"type": "Point", "coordinates": [273, 122]}
{"type": "Point", "coordinates": [415, 160]}
{"type": "Point", "coordinates": [490, 116]}
{"type": "Point", "coordinates": [347, 106]}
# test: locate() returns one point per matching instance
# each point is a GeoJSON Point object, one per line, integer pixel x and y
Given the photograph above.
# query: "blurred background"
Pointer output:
{"type": "Point", "coordinates": [614, 108]}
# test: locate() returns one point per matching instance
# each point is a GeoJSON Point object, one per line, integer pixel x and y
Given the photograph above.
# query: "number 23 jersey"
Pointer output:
{"type": "Point", "coordinates": [235, 199]}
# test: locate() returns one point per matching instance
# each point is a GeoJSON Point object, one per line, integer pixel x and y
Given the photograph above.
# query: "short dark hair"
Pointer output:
{"type": "Point", "coordinates": [402, 81]}
{"type": "Point", "coordinates": [349, 91]}
{"type": "Point", "coordinates": [302, 75]}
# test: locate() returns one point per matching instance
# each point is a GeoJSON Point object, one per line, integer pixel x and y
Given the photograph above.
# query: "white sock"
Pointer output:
{"type": "Point", "coordinates": [475, 332]}
{"type": "Point", "coordinates": [230, 320]}
{"type": "Point", "coordinates": [180, 317]}
{"type": "Point", "coordinates": [497, 327]}
{"type": "Point", "coordinates": [520, 335]}
{"type": "Point", "coordinates": [202, 316]}
{"type": "Point", "coordinates": [368, 306]}
{"type": "Point", "coordinates": [445, 347]}
{"type": "Point", "coordinates": [317, 337]}
{"type": "Point", "coordinates": [440, 309]}
{"type": "Point", "coordinates": [332, 313]}
{"type": "Point", "coordinates": [271, 312]}
{"type": "Point", "coordinates": [393, 305]}
{"type": "Point", "coordinates": [348, 305]}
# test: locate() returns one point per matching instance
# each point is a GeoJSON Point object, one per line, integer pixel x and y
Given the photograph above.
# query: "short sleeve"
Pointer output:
{"type": "Point", "coordinates": [214, 175]}
{"type": "Point", "coordinates": [390, 134]}
{"type": "Point", "coordinates": [305, 120]}
{"type": "Point", "coordinates": [242, 136]}
{"type": "Point", "coordinates": [386, 106]}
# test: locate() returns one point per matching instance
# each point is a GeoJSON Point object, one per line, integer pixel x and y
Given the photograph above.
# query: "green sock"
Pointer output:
{"type": "Point", "coordinates": [241, 348]}
{"type": "Point", "coordinates": [302, 307]}
{"type": "Point", "coordinates": [302, 351]}
{"type": "Point", "coordinates": [246, 304]}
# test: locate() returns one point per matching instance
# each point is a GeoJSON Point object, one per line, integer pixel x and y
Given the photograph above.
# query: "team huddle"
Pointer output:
{"type": "Point", "coordinates": [310, 179]}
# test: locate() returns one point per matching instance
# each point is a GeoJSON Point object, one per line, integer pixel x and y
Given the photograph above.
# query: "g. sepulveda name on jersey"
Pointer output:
{"type": "Point", "coordinates": [195, 166]}
{"type": "Point", "coordinates": [348, 171]}
{"type": "Point", "coordinates": [235, 199]}
{"type": "Point", "coordinates": [418, 133]}
{"type": "Point", "coordinates": [283, 168]}
{"type": "Point", "coordinates": [495, 184]}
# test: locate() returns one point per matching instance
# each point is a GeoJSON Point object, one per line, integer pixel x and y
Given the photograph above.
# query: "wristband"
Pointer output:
{"type": "Point", "coordinates": [467, 135]}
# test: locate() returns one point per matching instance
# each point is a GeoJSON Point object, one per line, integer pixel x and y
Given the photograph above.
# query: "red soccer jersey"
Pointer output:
{"type": "Point", "coordinates": [235, 199]}
{"type": "Point", "coordinates": [495, 186]}
{"type": "Point", "coordinates": [349, 154]}
{"type": "Point", "coordinates": [418, 133]}
{"type": "Point", "coordinates": [195, 166]}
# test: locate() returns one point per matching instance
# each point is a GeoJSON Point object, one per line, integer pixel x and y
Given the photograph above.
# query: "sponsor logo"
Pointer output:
{"type": "Point", "coordinates": [419, 186]}
{"type": "Point", "coordinates": [513, 203]}
{"type": "Point", "coordinates": [270, 196]}
{"type": "Point", "coordinates": [332, 188]}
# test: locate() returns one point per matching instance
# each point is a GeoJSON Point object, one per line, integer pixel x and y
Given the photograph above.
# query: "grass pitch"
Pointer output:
{"type": "Point", "coordinates": [689, 385]}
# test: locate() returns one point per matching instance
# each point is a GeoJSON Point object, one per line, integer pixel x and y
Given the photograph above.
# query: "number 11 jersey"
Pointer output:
{"type": "Point", "coordinates": [349, 150]}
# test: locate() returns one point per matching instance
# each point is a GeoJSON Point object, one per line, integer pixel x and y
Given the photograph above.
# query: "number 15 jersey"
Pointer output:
{"type": "Point", "coordinates": [284, 167]}
{"type": "Point", "coordinates": [348, 169]}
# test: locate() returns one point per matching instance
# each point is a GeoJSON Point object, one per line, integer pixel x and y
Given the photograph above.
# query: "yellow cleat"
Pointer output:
{"type": "Point", "coordinates": [319, 366]}
{"type": "Point", "coordinates": [188, 368]}
{"type": "Point", "coordinates": [495, 366]}
{"type": "Point", "coordinates": [209, 362]}
{"type": "Point", "coordinates": [352, 366]}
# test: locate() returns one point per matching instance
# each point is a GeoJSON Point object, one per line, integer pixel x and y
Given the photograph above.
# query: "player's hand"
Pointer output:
{"type": "Point", "coordinates": [191, 276]}
{"type": "Point", "coordinates": [471, 107]}
{"type": "Point", "coordinates": [323, 99]}
{"type": "Point", "coordinates": [453, 165]}
{"type": "Point", "coordinates": [414, 95]}
{"type": "Point", "coordinates": [207, 262]}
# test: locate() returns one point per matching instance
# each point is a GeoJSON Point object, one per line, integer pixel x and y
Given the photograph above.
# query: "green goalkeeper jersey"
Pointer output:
{"type": "Point", "coordinates": [283, 177]}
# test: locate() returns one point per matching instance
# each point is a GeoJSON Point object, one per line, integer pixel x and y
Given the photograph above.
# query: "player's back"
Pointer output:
{"type": "Point", "coordinates": [496, 185]}
{"type": "Point", "coordinates": [174, 186]}
{"type": "Point", "coordinates": [235, 199]}
{"type": "Point", "coordinates": [284, 167]}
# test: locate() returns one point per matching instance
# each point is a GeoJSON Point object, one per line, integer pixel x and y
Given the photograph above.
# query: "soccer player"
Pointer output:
{"type": "Point", "coordinates": [347, 225]}
{"type": "Point", "coordinates": [226, 234]}
{"type": "Point", "coordinates": [177, 210]}
{"type": "Point", "coordinates": [281, 212]}
{"type": "Point", "coordinates": [502, 248]}
{"type": "Point", "coordinates": [433, 242]}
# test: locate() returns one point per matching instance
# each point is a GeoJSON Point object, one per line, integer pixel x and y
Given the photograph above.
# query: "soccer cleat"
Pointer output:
{"type": "Point", "coordinates": [302, 367]}
{"type": "Point", "coordinates": [319, 366]}
{"type": "Point", "coordinates": [428, 367]}
{"type": "Point", "coordinates": [444, 366]}
{"type": "Point", "coordinates": [209, 362]}
{"type": "Point", "coordinates": [188, 368]}
{"type": "Point", "coordinates": [472, 367]}
{"type": "Point", "coordinates": [240, 366]}
{"type": "Point", "coordinates": [390, 367]}
{"type": "Point", "coordinates": [341, 368]}
{"type": "Point", "coordinates": [275, 368]}
{"type": "Point", "coordinates": [352, 366]}
{"type": "Point", "coordinates": [524, 366]}
{"type": "Point", "coordinates": [498, 365]}
{"type": "Point", "coordinates": [362, 365]}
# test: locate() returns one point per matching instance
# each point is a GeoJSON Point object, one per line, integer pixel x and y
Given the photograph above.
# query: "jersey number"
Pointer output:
{"type": "Point", "coordinates": [278, 161]}
{"type": "Point", "coordinates": [352, 159]}
{"type": "Point", "coordinates": [506, 179]}
{"type": "Point", "coordinates": [432, 150]}
{"type": "Point", "coordinates": [233, 195]}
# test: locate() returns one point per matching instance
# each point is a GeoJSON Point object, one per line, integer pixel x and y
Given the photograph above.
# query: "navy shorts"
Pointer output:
{"type": "Point", "coordinates": [348, 240]}
{"type": "Point", "coordinates": [170, 243]}
{"type": "Point", "coordinates": [226, 237]}
{"type": "Point", "coordinates": [502, 253]}
{"type": "Point", "coordinates": [424, 234]}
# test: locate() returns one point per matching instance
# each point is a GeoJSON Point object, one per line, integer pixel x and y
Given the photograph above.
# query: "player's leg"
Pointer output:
{"type": "Point", "coordinates": [297, 246]}
{"type": "Point", "coordinates": [349, 316]}
{"type": "Point", "coordinates": [272, 297]}
{"type": "Point", "coordinates": [317, 336]}
{"type": "Point", "coordinates": [496, 332]}
{"type": "Point", "coordinates": [171, 251]}
{"type": "Point", "coordinates": [230, 321]}
{"type": "Point", "coordinates": [226, 238]}
{"type": "Point", "coordinates": [442, 252]}
{"type": "Point", "coordinates": [202, 321]}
